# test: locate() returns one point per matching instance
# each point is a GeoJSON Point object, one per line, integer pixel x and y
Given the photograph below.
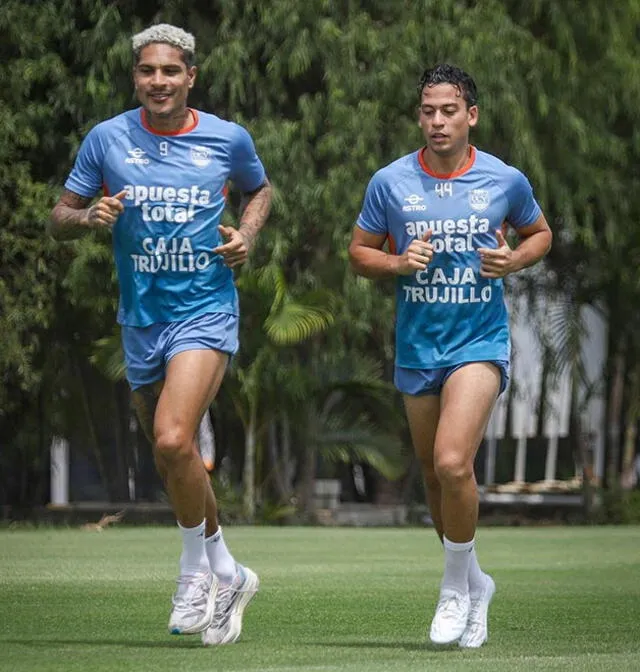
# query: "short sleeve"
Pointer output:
{"type": "Point", "coordinates": [86, 177]}
{"type": "Point", "coordinates": [247, 171]}
{"type": "Point", "coordinates": [523, 207]}
{"type": "Point", "coordinates": [373, 216]}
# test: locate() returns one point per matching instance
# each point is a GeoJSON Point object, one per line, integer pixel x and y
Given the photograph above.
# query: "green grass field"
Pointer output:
{"type": "Point", "coordinates": [330, 599]}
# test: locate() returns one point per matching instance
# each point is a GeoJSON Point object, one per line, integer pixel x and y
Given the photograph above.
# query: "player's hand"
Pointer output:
{"type": "Point", "coordinates": [106, 211]}
{"type": "Point", "coordinates": [417, 256]}
{"type": "Point", "coordinates": [496, 263]}
{"type": "Point", "coordinates": [235, 249]}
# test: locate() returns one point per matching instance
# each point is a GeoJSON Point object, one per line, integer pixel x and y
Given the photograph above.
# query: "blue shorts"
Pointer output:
{"type": "Point", "coordinates": [430, 381]}
{"type": "Point", "coordinates": [147, 350]}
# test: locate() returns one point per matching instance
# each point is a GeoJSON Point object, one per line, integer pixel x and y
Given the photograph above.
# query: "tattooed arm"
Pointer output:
{"type": "Point", "coordinates": [69, 217]}
{"type": "Point", "coordinates": [72, 217]}
{"type": "Point", "coordinates": [255, 209]}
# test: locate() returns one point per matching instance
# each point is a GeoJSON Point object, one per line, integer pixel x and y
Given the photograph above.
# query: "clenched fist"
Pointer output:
{"type": "Point", "coordinates": [106, 211]}
{"type": "Point", "coordinates": [235, 249]}
{"type": "Point", "coordinates": [417, 256]}
{"type": "Point", "coordinates": [498, 262]}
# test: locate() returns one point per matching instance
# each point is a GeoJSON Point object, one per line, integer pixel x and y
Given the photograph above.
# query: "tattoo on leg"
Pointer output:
{"type": "Point", "coordinates": [145, 400]}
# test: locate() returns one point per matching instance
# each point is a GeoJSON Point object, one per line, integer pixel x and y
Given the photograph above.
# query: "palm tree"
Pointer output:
{"type": "Point", "coordinates": [345, 414]}
{"type": "Point", "coordinates": [276, 320]}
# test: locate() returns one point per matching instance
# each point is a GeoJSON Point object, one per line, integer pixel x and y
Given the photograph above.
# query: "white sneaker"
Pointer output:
{"type": "Point", "coordinates": [451, 616]}
{"type": "Point", "coordinates": [477, 631]}
{"type": "Point", "coordinates": [231, 602]}
{"type": "Point", "coordinates": [193, 603]}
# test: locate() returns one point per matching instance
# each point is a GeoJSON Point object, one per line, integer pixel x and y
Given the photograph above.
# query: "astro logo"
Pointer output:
{"type": "Point", "coordinates": [415, 204]}
{"type": "Point", "coordinates": [137, 157]}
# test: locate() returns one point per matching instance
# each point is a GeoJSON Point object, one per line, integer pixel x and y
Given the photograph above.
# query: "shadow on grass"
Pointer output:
{"type": "Point", "coordinates": [406, 646]}
{"type": "Point", "coordinates": [127, 643]}
{"type": "Point", "coordinates": [194, 643]}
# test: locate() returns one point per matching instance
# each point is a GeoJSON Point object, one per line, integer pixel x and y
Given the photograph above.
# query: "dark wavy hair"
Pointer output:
{"type": "Point", "coordinates": [450, 74]}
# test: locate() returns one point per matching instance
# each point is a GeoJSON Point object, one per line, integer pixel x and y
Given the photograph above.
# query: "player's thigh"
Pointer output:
{"type": "Point", "coordinates": [144, 400]}
{"type": "Point", "coordinates": [423, 413]}
{"type": "Point", "coordinates": [466, 402]}
{"type": "Point", "coordinates": [192, 380]}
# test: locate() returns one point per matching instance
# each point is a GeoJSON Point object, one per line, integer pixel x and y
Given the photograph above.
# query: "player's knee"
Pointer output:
{"type": "Point", "coordinates": [453, 469]}
{"type": "Point", "coordinates": [172, 444]}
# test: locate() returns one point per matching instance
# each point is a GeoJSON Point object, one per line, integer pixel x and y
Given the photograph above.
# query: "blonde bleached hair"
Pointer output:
{"type": "Point", "coordinates": [165, 33]}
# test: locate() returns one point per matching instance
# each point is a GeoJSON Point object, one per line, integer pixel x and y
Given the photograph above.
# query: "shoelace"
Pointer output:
{"type": "Point", "coordinates": [224, 599]}
{"type": "Point", "coordinates": [474, 613]}
{"type": "Point", "coordinates": [223, 602]}
{"type": "Point", "coordinates": [450, 606]}
{"type": "Point", "coordinates": [192, 592]}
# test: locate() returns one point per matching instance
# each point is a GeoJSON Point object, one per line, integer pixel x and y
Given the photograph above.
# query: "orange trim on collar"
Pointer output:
{"type": "Point", "coordinates": [186, 129]}
{"type": "Point", "coordinates": [447, 176]}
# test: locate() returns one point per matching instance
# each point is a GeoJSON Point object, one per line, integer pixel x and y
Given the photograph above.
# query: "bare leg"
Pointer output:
{"type": "Point", "coordinates": [192, 381]}
{"type": "Point", "coordinates": [210, 510]}
{"type": "Point", "coordinates": [170, 413]}
{"type": "Point", "coordinates": [145, 400]}
{"type": "Point", "coordinates": [466, 402]}
{"type": "Point", "coordinates": [423, 413]}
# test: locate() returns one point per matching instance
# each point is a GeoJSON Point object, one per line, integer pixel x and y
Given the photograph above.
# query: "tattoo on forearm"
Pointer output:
{"type": "Point", "coordinates": [255, 212]}
{"type": "Point", "coordinates": [68, 217]}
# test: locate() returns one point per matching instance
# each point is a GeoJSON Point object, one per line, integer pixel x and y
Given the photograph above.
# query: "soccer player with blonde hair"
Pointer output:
{"type": "Point", "coordinates": [164, 168]}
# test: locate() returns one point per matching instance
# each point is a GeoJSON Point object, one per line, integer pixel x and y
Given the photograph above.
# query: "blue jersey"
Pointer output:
{"type": "Point", "coordinates": [448, 314]}
{"type": "Point", "coordinates": [175, 194]}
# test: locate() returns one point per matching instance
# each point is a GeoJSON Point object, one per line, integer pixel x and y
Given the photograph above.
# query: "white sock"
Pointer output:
{"type": "Point", "coordinates": [476, 575]}
{"type": "Point", "coordinates": [220, 560]}
{"type": "Point", "coordinates": [457, 557]}
{"type": "Point", "coordinates": [193, 559]}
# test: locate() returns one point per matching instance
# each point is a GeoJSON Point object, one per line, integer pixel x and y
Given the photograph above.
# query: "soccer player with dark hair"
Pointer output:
{"type": "Point", "coordinates": [164, 168]}
{"type": "Point", "coordinates": [443, 211]}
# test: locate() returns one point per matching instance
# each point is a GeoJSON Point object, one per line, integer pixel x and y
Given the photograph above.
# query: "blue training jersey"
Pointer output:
{"type": "Point", "coordinates": [448, 314]}
{"type": "Point", "coordinates": [175, 195]}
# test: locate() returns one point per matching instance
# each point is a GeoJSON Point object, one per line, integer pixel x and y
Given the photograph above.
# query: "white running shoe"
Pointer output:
{"type": "Point", "coordinates": [230, 604]}
{"type": "Point", "coordinates": [451, 616]}
{"type": "Point", "coordinates": [193, 603]}
{"type": "Point", "coordinates": [477, 631]}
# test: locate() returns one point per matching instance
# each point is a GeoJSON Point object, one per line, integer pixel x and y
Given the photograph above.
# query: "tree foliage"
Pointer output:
{"type": "Point", "coordinates": [328, 91]}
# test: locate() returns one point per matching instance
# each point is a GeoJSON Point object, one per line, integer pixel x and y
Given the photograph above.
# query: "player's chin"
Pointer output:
{"type": "Point", "coordinates": [164, 108]}
{"type": "Point", "coordinates": [442, 148]}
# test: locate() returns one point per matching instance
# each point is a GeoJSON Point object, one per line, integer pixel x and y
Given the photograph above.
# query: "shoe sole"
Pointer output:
{"type": "Point", "coordinates": [445, 642]}
{"type": "Point", "coordinates": [235, 620]}
{"type": "Point", "coordinates": [207, 620]}
{"type": "Point", "coordinates": [486, 603]}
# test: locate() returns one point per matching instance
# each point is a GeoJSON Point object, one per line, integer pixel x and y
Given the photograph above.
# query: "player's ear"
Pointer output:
{"type": "Point", "coordinates": [472, 115]}
{"type": "Point", "coordinates": [192, 75]}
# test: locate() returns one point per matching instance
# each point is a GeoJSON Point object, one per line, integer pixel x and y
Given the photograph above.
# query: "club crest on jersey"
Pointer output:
{"type": "Point", "coordinates": [201, 156]}
{"type": "Point", "coordinates": [479, 199]}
